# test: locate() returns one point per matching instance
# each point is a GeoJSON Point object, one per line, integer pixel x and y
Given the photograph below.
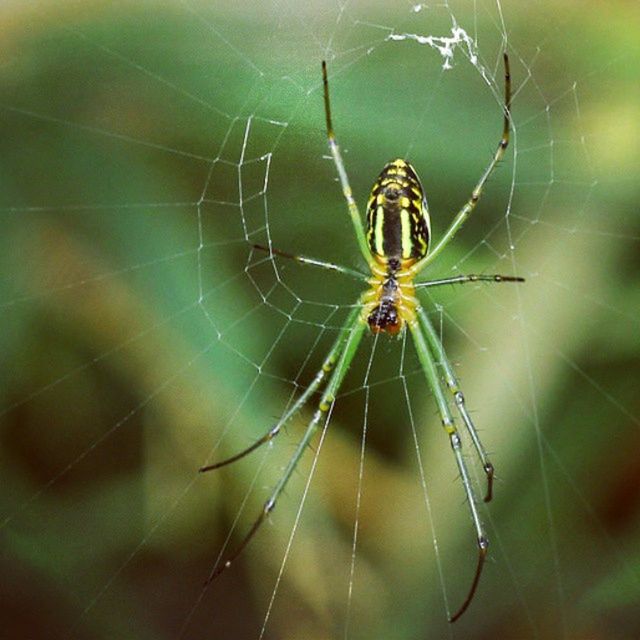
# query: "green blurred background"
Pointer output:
{"type": "Point", "coordinates": [145, 146]}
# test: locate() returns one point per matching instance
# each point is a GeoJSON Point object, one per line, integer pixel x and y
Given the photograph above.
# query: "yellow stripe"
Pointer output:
{"type": "Point", "coordinates": [405, 224]}
{"type": "Point", "coordinates": [379, 239]}
{"type": "Point", "coordinates": [427, 216]}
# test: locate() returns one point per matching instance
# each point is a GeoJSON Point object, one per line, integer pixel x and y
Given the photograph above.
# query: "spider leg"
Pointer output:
{"type": "Point", "coordinates": [344, 352]}
{"type": "Point", "coordinates": [327, 366]}
{"type": "Point", "coordinates": [330, 266]}
{"type": "Point", "coordinates": [429, 368]}
{"type": "Point", "coordinates": [470, 205]}
{"type": "Point", "coordinates": [468, 278]}
{"type": "Point", "coordinates": [452, 383]}
{"type": "Point", "coordinates": [342, 174]}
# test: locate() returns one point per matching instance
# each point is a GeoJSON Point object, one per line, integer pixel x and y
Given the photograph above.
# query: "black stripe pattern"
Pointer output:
{"type": "Point", "coordinates": [397, 214]}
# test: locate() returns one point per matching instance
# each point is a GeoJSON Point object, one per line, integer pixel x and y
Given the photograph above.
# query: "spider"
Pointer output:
{"type": "Point", "coordinates": [396, 247]}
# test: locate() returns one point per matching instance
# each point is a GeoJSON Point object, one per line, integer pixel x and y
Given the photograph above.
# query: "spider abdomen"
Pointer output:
{"type": "Point", "coordinates": [398, 225]}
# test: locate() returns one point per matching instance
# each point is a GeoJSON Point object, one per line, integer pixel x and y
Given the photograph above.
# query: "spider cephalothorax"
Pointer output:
{"type": "Point", "coordinates": [390, 302]}
{"type": "Point", "coordinates": [384, 317]}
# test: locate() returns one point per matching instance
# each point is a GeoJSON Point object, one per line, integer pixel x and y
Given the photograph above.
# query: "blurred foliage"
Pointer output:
{"type": "Point", "coordinates": [142, 336]}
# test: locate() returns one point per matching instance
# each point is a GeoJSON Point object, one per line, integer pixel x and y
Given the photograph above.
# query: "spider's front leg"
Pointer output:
{"type": "Point", "coordinates": [354, 213]}
{"type": "Point", "coordinates": [429, 368]}
{"type": "Point", "coordinates": [327, 366]}
{"type": "Point", "coordinates": [341, 355]}
{"type": "Point", "coordinates": [458, 397]}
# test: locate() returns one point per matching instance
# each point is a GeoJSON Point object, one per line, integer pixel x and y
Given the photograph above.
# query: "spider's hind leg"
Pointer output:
{"type": "Point", "coordinates": [471, 203]}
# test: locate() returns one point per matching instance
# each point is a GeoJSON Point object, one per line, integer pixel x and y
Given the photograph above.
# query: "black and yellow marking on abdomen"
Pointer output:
{"type": "Point", "coordinates": [398, 223]}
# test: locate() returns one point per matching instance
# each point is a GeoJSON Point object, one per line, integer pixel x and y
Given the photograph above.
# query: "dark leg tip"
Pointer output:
{"type": "Point", "coordinates": [489, 471]}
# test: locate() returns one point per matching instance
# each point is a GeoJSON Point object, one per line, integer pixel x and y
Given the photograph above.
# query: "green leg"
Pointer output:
{"type": "Point", "coordinates": [469, 278]}
{"type": "Point", "coordinates": [329, 266]}
{"type": "Point", "coordinates": [452, 383]}
{"type": "Point", "coordinates": [342, 174]}
{"type": "Point", "coordinates": [470, 205]}
{"type": "Point", "coordinates": [327, 366]}
{"type": "Point", "coordinates": [353, 329]}
{"type": "Point", "coordinates": [430, 372]}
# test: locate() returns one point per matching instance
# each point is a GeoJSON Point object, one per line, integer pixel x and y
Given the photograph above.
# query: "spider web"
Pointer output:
{"type": "Point", "coordinates": [146, 152]}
